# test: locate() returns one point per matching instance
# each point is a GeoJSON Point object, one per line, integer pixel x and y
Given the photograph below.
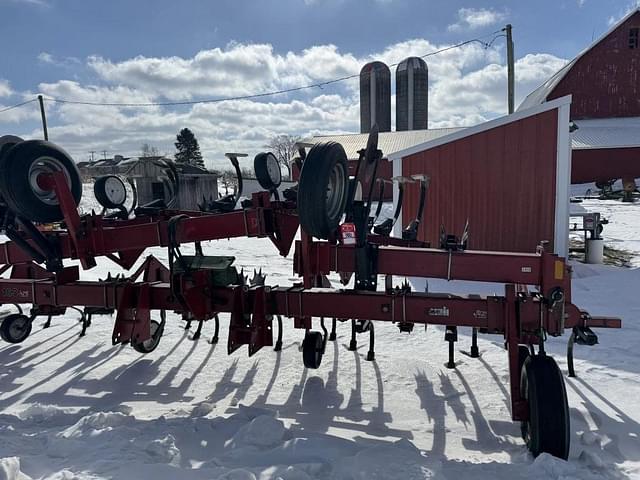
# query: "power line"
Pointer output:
{"type": "Point", "coordinates": [18, 105]}
{"type": "Point", "coordinates": [479, 40]}
{"type": "Point", "coordinates": [266, 94]}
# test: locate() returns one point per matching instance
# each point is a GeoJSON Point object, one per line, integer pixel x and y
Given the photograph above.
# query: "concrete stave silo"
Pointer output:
{"type": "Point", "coordinates": [375, 97]}
{"type": "Point", "coordinates": [412, 94]}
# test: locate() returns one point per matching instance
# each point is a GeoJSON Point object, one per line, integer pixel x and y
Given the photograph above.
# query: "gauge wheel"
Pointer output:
{"type": "Point", "coordinates": [110, 191]}
{"type": "Point", "coordinates": [267, 170]}
{"type": "Point", "coordinates": [312, 349]}
{"type": "Point", "coordinates": [20, 168]}
{"type": "Point", "coordinates": [542, 386]}
{"type": "Point", "coordinates": [149, 345]}
{"type": "Point", "coordinates": [322, 190]}
{"type": "Point", "coordinates": [15, 328]}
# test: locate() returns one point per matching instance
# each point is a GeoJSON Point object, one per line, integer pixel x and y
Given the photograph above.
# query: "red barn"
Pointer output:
{"type": "Point", "coordinates": [604, 82]}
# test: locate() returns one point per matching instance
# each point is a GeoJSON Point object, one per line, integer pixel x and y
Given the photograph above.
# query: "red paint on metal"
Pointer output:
{"type": "Point", "coordinates": [604, 164]}
{"type": "Point", "coordinates": [605, 81]}
{"type": "Point", "coordinates": [503, 180]}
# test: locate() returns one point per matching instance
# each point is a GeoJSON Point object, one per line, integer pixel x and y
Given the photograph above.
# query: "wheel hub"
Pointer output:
{"type": "Point", "coordinates": [335, 190]}
{"type": "Point", "coordinates": [18, 327]}
{"type": "Point", "coordinates": [45, 166]}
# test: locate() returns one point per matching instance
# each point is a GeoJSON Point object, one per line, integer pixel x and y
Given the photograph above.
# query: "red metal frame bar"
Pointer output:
{"type": "Point", "coordinates": [91, 236]}
{"type": "Point", "coordinates": [519, 315]}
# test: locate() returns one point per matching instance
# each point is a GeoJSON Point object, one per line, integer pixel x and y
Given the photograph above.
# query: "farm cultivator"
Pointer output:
{"type": "Point", "coordinates": [40, 186]}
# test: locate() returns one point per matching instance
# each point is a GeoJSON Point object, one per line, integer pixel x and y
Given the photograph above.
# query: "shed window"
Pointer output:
{"type": "Point", "coordinates": [634, 33]}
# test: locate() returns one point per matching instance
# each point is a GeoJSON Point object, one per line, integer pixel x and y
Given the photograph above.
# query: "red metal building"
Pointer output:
{"type": "Point", "coordinates": [509, 177]}
{"type": "Point", "coordinates": [604, 82]}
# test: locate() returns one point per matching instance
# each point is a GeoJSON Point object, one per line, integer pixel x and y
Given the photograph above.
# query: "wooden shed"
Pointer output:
{"type": "Point", "coordinates": [194, 183]}
{"type": "Point", "coordinates": [509, 177]}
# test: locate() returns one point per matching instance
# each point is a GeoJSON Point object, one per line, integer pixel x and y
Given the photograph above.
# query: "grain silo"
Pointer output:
{"type": "Point", "coordinates": [412, 94]}
{"type": "Point", "coordinates": [375, 97]}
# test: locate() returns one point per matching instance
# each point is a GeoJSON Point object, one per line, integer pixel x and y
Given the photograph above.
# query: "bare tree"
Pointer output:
{"type": "Point", "coordinates": [284, 148]}
{"type": "Point", "coordinates": [147, 150]}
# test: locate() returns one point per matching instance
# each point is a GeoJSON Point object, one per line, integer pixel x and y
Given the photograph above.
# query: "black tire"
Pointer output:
{"type": "Point", "coordinates": [15, 328]}
{"type": "Point", "coordinates": [151, 344]}
{"type": "Point", "coordinates": [548, 427]}
{"type": "Point", "coordinates": [322, 190]}
{"type": "Point", "coordinates": [523, 354]}
{"type": "Point", "coordinates": [100, 191]}
{"type": "Point", "coordinates": [312, 350]}
{"type": "Point", "coordinates": [8, 141]}
{"type": "Point", "coordinates": [261, 168]}
{"type": "Point", "coordinates": [16, 179]}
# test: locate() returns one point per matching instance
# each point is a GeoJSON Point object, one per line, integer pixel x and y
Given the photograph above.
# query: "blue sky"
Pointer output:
{"type": "Point", "coordinates": [135, 51]}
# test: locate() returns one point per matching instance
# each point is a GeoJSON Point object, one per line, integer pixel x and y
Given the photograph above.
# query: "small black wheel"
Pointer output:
{"type": "Point", "coordinates": [548, 429]}
{"type": "Point", "coordinates": [110, 191]}
{"type": "Point", "coordinates": [15, 328]}
{"type": "Point", "coordinates": [149, 345]}
{"type": "Point", "coordinates": [322, 190]}
{"type": "Point", "coordinates": [20, 168]}
{"type": "Point", "coordinates": [312, 349]}
{"type": "Point", "coordinates": [267, 169]}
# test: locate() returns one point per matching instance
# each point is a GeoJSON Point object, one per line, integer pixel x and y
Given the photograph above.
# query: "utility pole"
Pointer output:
{"type": "Point", "coordinates": [104, 154]}
{"type": "Point", "coordinates": [92, 152]}
{"type": "Point", "coordinates": [510, 69]}
{"type": "Point", "coordinates": [44, 118]}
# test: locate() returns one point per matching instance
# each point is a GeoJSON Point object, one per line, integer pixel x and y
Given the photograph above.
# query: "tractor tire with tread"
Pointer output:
{"type": "Point", "coordinates": [18, 172]}
{"type": "Point", "coordinates": [322, 190]}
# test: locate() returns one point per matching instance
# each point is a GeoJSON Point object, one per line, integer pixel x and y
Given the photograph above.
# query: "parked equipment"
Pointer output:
{"type": "Point", "coordinates": [329, 208]}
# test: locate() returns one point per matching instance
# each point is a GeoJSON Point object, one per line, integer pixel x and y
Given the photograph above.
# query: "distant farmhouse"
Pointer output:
{"type": "Point", "coordinates": [194, 183]}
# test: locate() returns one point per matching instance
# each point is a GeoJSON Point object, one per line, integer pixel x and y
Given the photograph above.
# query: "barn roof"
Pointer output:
{"type": "Point", "coordinates": [540, 94]}
{"type": "Point", "coordinates": [388, 142]}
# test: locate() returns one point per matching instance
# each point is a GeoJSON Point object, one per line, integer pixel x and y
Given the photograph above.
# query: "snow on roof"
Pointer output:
{"type": "Point", "coordinates": [388, 142]}
{"type": "Point", "coordinates": [591, 134]}
{"type": "Point", "coordinates": [606, 133]}
{"type": "Point", "coordinates": [540, 94]}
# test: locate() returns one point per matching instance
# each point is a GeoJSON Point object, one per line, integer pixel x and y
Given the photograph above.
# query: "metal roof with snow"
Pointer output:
{"type": "Point", "coordinates": [606, 133]}
{"type": "Point", "coordinates": [388, 142]}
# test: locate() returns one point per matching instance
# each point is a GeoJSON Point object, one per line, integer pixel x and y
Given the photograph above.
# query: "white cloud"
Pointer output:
{"type": "Point", "coordinates": [466, 86]}
{"type": "Point", "coordinates": [236, 70]}
{"type": "Point", "coordinates": [474, 18]}
{"type": "Point", "coordinates": [5, 88]}
{"type": "Point", "coordinates": [48, 58]}
{"type": "Point", "coordinates": [45, 57]}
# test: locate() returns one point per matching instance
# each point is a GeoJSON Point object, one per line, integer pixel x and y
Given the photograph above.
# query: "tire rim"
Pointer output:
{"type": "Point", "coordinates": [19, 328]}
{"type": "Point", "coordinates": [335, 191]}
{"type": "Point", "coordinates": [152, 342]}
{"type": "Point", "coordinates": [45, 165]}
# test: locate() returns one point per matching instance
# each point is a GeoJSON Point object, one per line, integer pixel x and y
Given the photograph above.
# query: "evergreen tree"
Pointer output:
{"type": "Point", "coordinates": [188, 149]}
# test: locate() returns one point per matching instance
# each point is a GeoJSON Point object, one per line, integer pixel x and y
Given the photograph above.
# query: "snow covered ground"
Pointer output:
{"type": "Point", "coordinates": [79, 408]}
